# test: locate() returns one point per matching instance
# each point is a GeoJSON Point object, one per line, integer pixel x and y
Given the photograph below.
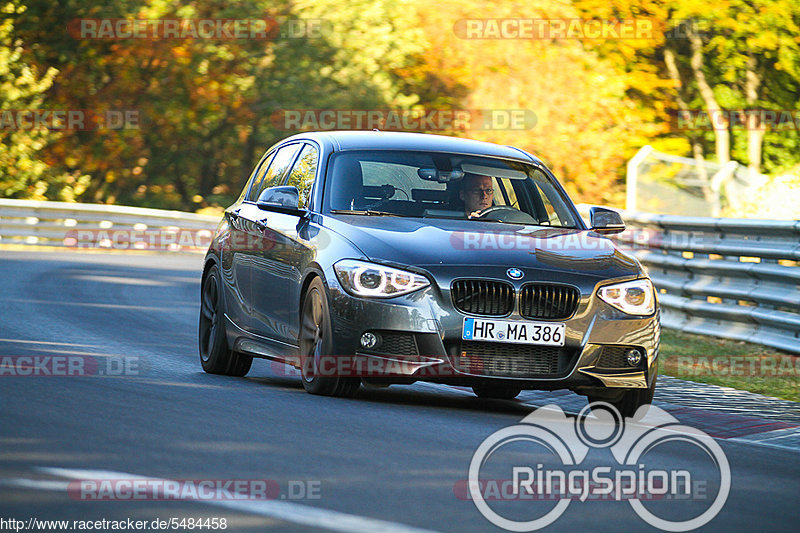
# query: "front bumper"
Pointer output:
{"type": "Point", "coordinates": [420, 339]}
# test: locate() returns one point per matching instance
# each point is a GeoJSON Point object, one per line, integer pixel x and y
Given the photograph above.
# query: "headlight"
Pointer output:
{"type": "Point", "coordinates": [360, 278]}
{"type": "Point", "coordinates": [632, 297]}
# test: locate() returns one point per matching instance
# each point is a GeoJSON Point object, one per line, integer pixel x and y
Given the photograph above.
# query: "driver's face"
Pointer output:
{"type": "Point", "coordinates": [478, 193]}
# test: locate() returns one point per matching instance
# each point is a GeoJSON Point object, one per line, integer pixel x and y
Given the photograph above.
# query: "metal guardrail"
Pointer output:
{"type": "Point", "coordinates": [72, 225]}
{"type": "Point", "coordinates": [732, 278]}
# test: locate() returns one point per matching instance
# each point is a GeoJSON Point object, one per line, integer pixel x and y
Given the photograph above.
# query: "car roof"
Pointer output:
{"type": "Point", "coordinates": [391, 140]}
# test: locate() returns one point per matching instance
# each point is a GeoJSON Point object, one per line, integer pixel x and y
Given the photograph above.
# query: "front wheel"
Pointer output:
{"type": "Point", "coordinates": [629, 401]}
{"type": "Point", "coordinates": [316, 342]}
{"type": "Point", "coordinates": [215, 355]}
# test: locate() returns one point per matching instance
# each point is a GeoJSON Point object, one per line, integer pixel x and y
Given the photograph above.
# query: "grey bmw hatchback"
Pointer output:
{"type": "Point", "coordinates": [389, 258]}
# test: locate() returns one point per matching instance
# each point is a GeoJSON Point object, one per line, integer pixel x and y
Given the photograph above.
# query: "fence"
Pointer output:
{"type": "Point", "coordinates": [61, 224]}
{"type": "Point", "coordinates": [731, 278]}
{"type": "Point", "coordinates": [664, 183]}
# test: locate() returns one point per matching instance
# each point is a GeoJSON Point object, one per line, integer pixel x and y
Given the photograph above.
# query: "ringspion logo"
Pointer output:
{"type": "Point", "coordinates": [648, 482]}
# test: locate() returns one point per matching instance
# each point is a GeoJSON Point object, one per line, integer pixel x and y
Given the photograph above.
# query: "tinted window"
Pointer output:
{"type": "Point", "coordinates": [262, 165]}
{"type": "Point", "coordinates": [273, 175]}
{"type": "Point", "coordinates": [548, 203]}
{"type": "Point", "coordinates": [303, 173]}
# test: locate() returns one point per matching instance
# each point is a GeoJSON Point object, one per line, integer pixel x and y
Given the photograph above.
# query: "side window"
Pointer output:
{"type": "Point", "coordinates": [262, 165]}
{"type": "Point", "coordinates": [537, 202]}
{"type": "Point", "coordinates": [255, 180]}
{"type": "Point", "coordinates": [552, 216]}
{"type": "Point", "coordinates": [272, 175]}
{"type": "Point", "coordinates": [509, 195]}
{"type": "Point", "coordinates": [303, 173]}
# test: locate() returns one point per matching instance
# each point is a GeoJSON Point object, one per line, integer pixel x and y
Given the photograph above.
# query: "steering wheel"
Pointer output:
{"type": "Point", "coordinates": [504, 213]}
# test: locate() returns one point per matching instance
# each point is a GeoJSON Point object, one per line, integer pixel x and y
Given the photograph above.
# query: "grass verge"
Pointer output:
{"type": "Point", "coordinates": [728, 363]}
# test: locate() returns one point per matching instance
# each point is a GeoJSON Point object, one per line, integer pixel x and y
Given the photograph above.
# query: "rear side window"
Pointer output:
{"type": "Point", "coordinates": [303, 173]}
{"type": "Point", "coordinates": [273, 174]}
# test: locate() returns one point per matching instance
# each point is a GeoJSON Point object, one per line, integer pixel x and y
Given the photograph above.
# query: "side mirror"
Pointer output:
{"type": "Point", "coordinates": [285, 199]}
{"type": "Point", "coordinates": [605, 221]}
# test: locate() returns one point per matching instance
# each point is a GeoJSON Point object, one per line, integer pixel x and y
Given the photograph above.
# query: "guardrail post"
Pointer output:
{"type": "Point", "coordinates": [632, 177]}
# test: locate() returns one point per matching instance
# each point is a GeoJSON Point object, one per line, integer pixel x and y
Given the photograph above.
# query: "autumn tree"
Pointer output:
{"type": "Point", "coordinates": [204, 105]}
{"type": "Point", "coordinates": [23, 172]}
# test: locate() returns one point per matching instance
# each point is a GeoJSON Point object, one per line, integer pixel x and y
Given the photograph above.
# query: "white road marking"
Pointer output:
{"type": "Point", "coordinates": [35, 484]}
{"type": "Point", "coordinates": [46, 342]}
{"type": "Point", "coordinates": [784, 439]}
{"type": "Point", "coordinates": [442, 386]}
{"type": "Point", "coordinates": [287, 511]}
{"type": "Point", "coordinates": [100, 305]}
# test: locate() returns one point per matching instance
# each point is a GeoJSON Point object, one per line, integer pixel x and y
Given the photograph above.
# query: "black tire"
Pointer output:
{"type": "Point", "coordinates": [215, 355]}
{"type": "Point", "coordinates": [316, 340]}
{"type": "Point", "coordinates": [629, 401]}
{"type": "Point", "coordinates": [495, 392]}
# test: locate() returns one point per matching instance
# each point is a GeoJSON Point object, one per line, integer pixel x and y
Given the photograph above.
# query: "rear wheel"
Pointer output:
{"type": "Point", "coordinates": [215, 356]}
{"type": "Point", "coordinates": [496, 392]}
{"type": "Point", "coordinates": [316, 342]}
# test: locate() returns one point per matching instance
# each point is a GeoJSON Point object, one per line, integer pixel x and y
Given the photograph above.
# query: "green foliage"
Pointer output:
{"type": "Point", "coordinates": [733, 33]}
{"type": "Point", "coordinates": [23, 174]}
{"type": "Point", "coordinates": [206, 107]}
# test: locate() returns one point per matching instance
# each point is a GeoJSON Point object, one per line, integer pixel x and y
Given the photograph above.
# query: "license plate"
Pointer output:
{"type": "Point", "coordinates": [545, 333]}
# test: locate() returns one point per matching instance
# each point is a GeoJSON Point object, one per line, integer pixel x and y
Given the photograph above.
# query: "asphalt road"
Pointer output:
{"type": "Point", "coordinates": [389, 460]}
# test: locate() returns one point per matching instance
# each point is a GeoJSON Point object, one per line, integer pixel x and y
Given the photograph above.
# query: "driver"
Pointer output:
{"type": "Point", "coordinates": [477, 194]}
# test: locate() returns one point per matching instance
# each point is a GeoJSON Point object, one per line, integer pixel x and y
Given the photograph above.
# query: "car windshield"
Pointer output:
{"type": "Point", "coordinates": [436, 185]}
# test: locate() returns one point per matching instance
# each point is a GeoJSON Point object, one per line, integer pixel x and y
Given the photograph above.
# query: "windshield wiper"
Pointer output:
{"type": "Point", "coordinates": [367, 212]}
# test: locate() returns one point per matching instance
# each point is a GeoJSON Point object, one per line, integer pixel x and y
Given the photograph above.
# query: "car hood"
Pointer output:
{"type": "Point", "coordinates": [444, 242]}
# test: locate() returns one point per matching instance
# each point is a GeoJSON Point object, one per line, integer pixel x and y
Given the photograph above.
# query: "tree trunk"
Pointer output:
{"type": "Point", "coordinates": [755, 128]}
{"type": "Point", "coordinates": [718, 117]}
{"type": "Point", "coordinates": [694, 138]}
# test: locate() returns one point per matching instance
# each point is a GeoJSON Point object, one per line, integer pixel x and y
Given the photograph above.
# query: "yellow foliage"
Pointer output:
{"type": "Point", "coordinates": [586, 127]}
